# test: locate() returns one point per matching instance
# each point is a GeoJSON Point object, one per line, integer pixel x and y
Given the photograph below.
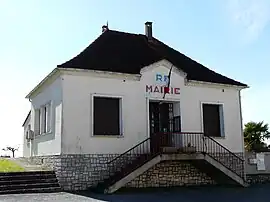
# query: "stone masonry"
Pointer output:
{"type": "Point", "coordinates": [171, 174]}
{"type": "Point", "coordinates": [81, 171]}
{"type": "Point", "coordinates": [258, 178]}
{"type": "Point", "coordinates": [78, 171]}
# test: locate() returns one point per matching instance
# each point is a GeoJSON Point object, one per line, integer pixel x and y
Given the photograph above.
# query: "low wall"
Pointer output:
{"type": "Point", "coordinates": [255, 175]}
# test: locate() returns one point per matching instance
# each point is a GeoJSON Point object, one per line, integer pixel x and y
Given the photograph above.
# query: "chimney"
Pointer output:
{"type": "Point", "coordinates": [148, 30]}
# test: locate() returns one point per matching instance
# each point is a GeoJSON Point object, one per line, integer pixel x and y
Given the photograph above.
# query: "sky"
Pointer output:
{"type": "Point", "coordinates": [228, 36]}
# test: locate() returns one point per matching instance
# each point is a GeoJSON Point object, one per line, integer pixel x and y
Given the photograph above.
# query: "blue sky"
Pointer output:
{"type": "Point", "coordinates": [229, 36]}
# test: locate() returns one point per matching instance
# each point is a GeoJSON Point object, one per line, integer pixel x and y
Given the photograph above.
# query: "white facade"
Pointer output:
{"type": "Point", "coordinates": [47, 143]}
{"type": "Point", "coordinates": [26, 143]}
{"type": "Point", "coordinates": [72, 92]}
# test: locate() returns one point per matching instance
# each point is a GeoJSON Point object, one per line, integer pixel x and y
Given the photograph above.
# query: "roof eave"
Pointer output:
{"type": "Point", "coordinates": [52, 73]}
{"type": "Point", "coordinates": [240, 86]}
{"type": "Point", "coordinates": [26, 118]}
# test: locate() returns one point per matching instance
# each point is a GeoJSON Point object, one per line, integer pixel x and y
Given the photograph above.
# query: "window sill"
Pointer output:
{"type": "Point", "coordinates": [214, 137]}
{"type": "Point", "coordinates": [108, 136]}
{"type": "Point", "coordinates": [43, 134]}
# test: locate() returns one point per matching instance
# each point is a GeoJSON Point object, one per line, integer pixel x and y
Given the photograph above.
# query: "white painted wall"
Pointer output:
{"type": "Point", "coordinates": [48, 144]}
{"type": "Point", "coordinates": [79, 87]}
{"type": "Point", "coordinates": [26, 144]}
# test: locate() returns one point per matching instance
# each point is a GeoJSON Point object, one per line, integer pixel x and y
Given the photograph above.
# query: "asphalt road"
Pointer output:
{"type": "Point", "coordinates": [214, 194]}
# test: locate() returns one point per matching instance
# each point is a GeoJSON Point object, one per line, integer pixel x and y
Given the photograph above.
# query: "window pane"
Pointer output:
{"type": "Point", "coordinates": [49, 117]}
{"type": "Point", "coordinates": [106, 116]}
{"type": "Point", "coordinates": [211, 120]}
{"type": "Point", "coordinates": [41, 111]}
{"type": "Point", "coordinates": [45, 119]}
{"type": "Point", "coordinates": [37, 122]}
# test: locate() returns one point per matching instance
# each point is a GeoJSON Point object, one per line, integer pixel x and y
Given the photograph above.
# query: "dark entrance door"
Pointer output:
{"type": "Point", "coordinates": [161, 124]}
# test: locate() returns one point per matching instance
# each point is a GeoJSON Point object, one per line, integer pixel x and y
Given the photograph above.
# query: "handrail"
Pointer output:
{"type": "Point", "coordinates": [161, 133]}
{"type": "Point", "coordinates": [224, 147]}
{"type": "Point", "coordinates": [128, 150]}
{"type": "Point", "coordinates": [146, 150]}
{"type": "Point", "coordinates": [233, 162]}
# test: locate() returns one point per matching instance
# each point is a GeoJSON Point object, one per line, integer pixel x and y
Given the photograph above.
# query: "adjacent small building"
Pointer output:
{"type": "Point", "coordinates": [116, 96]}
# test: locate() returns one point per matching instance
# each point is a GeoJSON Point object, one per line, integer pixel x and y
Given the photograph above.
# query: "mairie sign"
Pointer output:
{"type": "Point", "coordinates": [162, 79]}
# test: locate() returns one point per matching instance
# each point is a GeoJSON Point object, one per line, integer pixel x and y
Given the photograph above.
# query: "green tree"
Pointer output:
{"type": "Point", "coordinates": [254, 136]}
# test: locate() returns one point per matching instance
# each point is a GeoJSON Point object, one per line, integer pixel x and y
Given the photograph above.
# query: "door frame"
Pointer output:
{"type": "Point", "coordinates": [148, 100]}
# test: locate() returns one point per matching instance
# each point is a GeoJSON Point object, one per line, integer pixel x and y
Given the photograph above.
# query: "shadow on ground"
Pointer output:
{"type": "Point", "coordinates": [257, 193]}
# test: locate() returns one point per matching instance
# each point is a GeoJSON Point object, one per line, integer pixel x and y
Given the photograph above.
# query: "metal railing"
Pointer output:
{"type": "Point", "coordinates": [182, 142]}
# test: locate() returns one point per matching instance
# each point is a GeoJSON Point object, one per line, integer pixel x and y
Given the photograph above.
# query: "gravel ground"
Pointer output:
{"type": "Point", "coordinates": [213, 194]}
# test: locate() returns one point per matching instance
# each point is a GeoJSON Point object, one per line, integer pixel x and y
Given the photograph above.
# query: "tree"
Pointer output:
{"type": "Point", "coordinates": [254, 136]}
{"type": "Point", "coordinates": [12, 149]}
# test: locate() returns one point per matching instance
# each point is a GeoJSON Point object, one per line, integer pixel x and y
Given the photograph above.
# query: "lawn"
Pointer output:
{"type": "Point", "coordinates": [9, 166]}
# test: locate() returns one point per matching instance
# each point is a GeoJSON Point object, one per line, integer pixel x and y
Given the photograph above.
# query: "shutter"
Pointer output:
{"type": "Point", "coordinates": [221, 119]}
{"type": "Point", "coordinates": [37, 122]}
{"type": "Point", "coordinates": [49, 117]}
{"type": "Point", "coordinates": [41, 120]}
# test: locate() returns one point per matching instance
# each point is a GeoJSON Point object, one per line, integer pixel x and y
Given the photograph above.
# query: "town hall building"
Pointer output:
{"type": "Point", "coordinates": [129, 106]}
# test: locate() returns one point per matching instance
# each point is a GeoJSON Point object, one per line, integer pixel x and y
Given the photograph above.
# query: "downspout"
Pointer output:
{"type": "Point", "coordinates": [242, 132]}
{"type": "Point", "coordinates": [32, 128]}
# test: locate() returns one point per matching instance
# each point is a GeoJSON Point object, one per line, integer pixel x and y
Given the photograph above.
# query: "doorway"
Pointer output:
{"type": "Point", "coordinates": [164, 117]}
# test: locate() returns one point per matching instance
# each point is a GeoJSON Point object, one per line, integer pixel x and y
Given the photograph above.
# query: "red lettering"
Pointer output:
{"type": "Point", "coordinates": [162, 89]}
{"type": "Point", "coordinates": [148, 88]}
{"type": "Point", "coordinates": [166, 90]}
{"type": "Point", "coordinates": [177, 91]}
{"type": "Point", "coordinates": [156, 90]}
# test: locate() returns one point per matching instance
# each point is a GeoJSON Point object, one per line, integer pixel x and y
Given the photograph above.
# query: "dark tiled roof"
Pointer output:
{"type": "Point", "coordinates": [128, 53]}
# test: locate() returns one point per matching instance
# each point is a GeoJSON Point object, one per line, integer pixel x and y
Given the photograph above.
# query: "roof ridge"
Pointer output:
{"type": "Point", "coordinates": [135, 51]}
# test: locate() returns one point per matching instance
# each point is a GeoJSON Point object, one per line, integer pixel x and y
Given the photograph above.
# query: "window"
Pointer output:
{"type": "Point", "coordinates": [43, 119]}
{"type": "Point", "coordinates": [107, 116]}
{"type": "Point", "coordinates": [213, 121]}
{"type": "Point", "coordinates": [37, 122]}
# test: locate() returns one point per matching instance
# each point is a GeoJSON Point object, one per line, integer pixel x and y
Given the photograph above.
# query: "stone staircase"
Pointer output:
{"type": "Point", "coordinates": [28, 182]}
{"type": "Point", "coordinates": [205, 153]}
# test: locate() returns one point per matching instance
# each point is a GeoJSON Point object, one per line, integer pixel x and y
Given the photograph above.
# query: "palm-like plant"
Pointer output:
{"type": "Point", "coordinates": [255, 134]}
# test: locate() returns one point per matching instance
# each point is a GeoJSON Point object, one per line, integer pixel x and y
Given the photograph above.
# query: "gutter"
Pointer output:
{"type": "Point", "coordinates": [41, 83]}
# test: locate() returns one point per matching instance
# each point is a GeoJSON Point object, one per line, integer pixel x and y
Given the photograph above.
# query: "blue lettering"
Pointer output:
{"type": "Point", "coordinates": [166, 79]}
{"type": "Point", "coordinates": [158, 77]}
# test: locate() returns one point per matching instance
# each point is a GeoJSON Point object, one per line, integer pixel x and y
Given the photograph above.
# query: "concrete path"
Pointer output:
{"type": "Point", "coordinates": [256, 193]}
{"type": "Point", "coordinates": [24, 163]}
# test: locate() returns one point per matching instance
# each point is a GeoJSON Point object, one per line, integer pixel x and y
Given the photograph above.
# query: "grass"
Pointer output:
{"type": "Point", "coordinates": [9, 166]}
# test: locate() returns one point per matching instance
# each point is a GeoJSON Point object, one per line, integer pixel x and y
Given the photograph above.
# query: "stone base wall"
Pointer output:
{"type": "Point", "coordinates": [80, 171]}
{"type": "Point", "coordinates": [77, 171]}
{"type": "Point", "coordinates": [171, 174]}
{"type": "Point", "coordinates": [258, 178]}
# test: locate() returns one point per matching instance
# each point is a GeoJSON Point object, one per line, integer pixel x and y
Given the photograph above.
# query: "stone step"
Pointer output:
{"type": "Point", "coordinates": [28, 186]}
{"type": "Point", "coordinates": [31, 190]}
{"type": "Point", "coordinates": [28, 181]}
{"type": "Point", "coordinates": [26, 177]}
{"type": "Point", "coordinates": [27, 173]}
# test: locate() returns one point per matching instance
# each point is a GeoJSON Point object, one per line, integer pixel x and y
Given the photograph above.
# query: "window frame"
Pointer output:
{"type": "Point", "coordinates": [121, 125]}
{"type": "Point", "coordinates": [221, 119]}
{"type": "Point", "coordinates": [45, 116]}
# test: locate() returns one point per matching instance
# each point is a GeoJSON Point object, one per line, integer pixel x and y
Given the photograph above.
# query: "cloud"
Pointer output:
{"type": "Point", "coordinates": [250, 17]}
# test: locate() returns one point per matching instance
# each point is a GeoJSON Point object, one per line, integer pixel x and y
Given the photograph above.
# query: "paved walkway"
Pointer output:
{"type": "Point", "coordinates": [256, 193]}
